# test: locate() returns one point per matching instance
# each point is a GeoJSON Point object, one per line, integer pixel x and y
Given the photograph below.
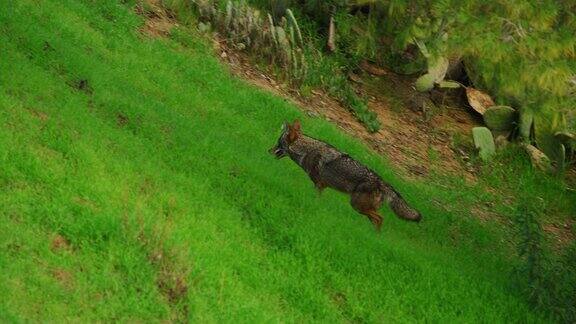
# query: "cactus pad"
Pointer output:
{"type": "Point", "coordinates": [484, 142]}
{"type": "Point", "coordinates": [500, 118]}
{"type": "Point", "coordinates": [425, 82]}
{"type": "Point", "coordinates": [437, 68]}
{"type": "Point", "coordinates": [526, 121]}
{"type": "Point", "coordinates": [448, 84]}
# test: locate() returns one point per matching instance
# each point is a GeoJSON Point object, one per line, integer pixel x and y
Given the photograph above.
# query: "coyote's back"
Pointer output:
{"type": "Point", "coordinates": [328, 167]}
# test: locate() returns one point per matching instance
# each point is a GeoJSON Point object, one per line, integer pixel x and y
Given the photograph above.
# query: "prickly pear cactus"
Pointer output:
{"type": "Point", "coordinates": [484, 142]}
{"type": "Point", "coordinates": [565, 150]}
{"type": "Point", "coordinates": [437, 68]}
{"type": "Point", "coordinates": [272, 30]}
{"type": "Point", "coordinates": [500, 118]}
{"type": "Point", "coordinates": [246, 29]}
{"type": "Point", "coordinates": [425, 82]}
{"type": "Point", "coordinates": [229, 13]}
{"type": "Point", "coordinates": [526, 120]}
{"type": "Point", "coordinates": [565, 137]}
{"type": "Point", "coordinates": [281, 36]}
{"type": "Point", "coordinates": [545, 128]}
{"type": "Point", "coordinates": [446, 84]}
{"type": "Point", "coordinates": [294, 24]}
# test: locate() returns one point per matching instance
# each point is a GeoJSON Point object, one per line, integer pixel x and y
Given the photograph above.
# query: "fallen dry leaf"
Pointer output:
{"type": "Point", "coordinates": [479, 100]}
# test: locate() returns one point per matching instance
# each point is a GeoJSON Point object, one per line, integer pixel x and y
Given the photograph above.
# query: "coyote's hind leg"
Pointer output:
{"type": "Point", "coordinates": [365, 204]}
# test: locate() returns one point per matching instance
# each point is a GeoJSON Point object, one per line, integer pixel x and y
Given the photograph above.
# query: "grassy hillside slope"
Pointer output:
{"type": "Point", "coordinates": [135, 185]}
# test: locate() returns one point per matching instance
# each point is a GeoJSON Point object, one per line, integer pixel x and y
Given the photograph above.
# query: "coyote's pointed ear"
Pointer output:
{"type": "Point", "coordinates": [296, 126]}
{"type": "Point", "coordinates": [294, 131]}
{"type": "Point", "coordinates": [285, 127]}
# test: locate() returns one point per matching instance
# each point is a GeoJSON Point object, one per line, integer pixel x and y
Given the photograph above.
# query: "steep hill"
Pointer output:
{"type": "Point", "coordinates": [135, 184]}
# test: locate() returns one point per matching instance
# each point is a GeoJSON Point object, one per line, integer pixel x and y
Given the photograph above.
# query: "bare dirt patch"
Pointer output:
{"type": "Point", "coordinates": [159, 21]}
{"type": "Point", "coordinates": [562, 234]}
{"type": "Point", "coordinates": [42, 116]}
{"type": "Point", "coordinates": [60, 243]}
{"type": "Point", "coordinates": [65, 278]}
{"type": "Point", "coordinates": [172, 271]}
{"type": "Point", "coordinates": [171, 281]}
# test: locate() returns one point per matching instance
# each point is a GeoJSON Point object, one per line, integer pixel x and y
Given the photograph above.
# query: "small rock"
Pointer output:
{"type": "Point", "coordinates": [538, 158]}
{"type": "Point", "coordinates": [223, 55]}
{"type": "Point", "coordinates": [354, 77]}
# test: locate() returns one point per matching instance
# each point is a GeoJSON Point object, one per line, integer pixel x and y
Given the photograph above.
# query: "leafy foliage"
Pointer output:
{"type": "Point", "coordinates": [523, 53]}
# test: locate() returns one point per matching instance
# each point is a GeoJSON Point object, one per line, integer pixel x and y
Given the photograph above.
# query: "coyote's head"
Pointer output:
{"type": "Point", "coordinates": [289, 134]}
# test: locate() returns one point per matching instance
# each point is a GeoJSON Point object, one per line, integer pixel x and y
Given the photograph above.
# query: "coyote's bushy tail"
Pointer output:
{"type": "Point", "coordinates": [399, 205]}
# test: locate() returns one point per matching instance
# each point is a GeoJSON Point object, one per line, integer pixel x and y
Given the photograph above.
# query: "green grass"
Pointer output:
{"type": "Point", "coordinates": [158, 177]}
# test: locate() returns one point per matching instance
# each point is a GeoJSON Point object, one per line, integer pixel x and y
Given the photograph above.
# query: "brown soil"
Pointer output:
{"type": "Point", "coordinates": [171, 272]}
{"type": "Point", "coordinates": [63, 277]}
{"type": "Point", "coordinates": [60, 243]}
{"type": "Point", "coordinates": [159, 21]}
{"type": "Point", "coordinates": [562, 234]}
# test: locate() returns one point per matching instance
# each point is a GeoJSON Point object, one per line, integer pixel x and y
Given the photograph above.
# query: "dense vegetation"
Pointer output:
{"type": "Point", "coordinates": [523, 53]}
{"type": "Point", "coordinates": [135, 186]}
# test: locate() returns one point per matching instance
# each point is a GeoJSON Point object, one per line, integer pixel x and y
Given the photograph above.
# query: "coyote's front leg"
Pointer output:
{"type": "Point", "coordinates": [311, 164]}
{"type": "Point", "coordinates": [320, 186]}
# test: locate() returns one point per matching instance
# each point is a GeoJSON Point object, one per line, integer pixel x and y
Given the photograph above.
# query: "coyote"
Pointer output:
{"type": "Point", "coordinates": [328, 167]}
